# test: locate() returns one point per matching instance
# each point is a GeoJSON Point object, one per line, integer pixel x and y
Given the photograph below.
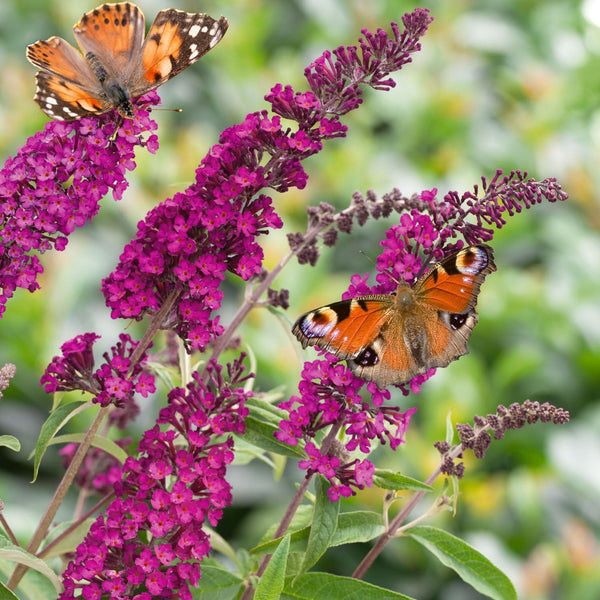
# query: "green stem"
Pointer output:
{"type": "Point", "coordinates": [399, 519]}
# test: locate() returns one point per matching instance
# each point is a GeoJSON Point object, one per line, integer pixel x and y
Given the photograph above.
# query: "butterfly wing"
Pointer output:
{"type": "Point", "coordinates": [453, 284]}
{"type": "Point", "coordinates": [176, 40]}
{"type": "Point", "coordinates": [65, 88]}
{"type": "Point", "coordinates": [448, 296]}
{"type": "Point", "coordinates": [111, 38]}
{"type": "Point", "coordinates": [345, 328]}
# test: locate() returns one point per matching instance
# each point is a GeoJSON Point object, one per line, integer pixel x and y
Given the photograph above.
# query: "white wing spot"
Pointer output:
{"type": "Point", "coordinates": [70, 112]}
{"type": "Point", "coordinates": [194, 31]}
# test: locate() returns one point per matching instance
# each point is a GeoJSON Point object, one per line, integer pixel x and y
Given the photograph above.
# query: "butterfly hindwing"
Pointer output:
{"type": "Point", "coordinates": [65, 89]}
{"type": "Point", "coordinates": [64, 100]}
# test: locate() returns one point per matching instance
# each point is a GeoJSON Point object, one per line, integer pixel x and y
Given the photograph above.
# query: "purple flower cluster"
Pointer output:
{"type": "Point", "coordinates": [515, 416]}
{"type": "Point", "coordinates": [115, 381]}
{"type": "Point", "coordinates": [428, 226]}
{"type": "Point", "coordinates": [55, 183]}
{"type": "Point", "coordinates": [186, 244]}
{"type": "Point", "coordinates": [150, 541]}
{"type": "Point", "coordinates": [329, 395]}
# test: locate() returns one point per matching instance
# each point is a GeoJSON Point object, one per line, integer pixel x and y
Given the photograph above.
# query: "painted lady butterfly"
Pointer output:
{"type": "Point", "coordinates": [118, 64]}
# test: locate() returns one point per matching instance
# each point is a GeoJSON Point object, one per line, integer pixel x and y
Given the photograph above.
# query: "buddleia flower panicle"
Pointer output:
{"type": "Point", "coordinates": [328, 394]}
{"type": "Point", "coordinates": [55, 183]}
{"type": "Point", "coordinates": [151, 538]}
{"type": "Point", "coordinates": [7, 372]}
{"type": "Point", "coordinates": [115, 381]}
{"type": "Point", "coordinates": [187, 243]}
{"type": "Point", "coordinates": [478, 437]}
{"type": "Point", "coordinates": [99, 470]}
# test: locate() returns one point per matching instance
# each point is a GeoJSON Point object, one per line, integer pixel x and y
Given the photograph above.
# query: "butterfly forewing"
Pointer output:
{"type": "Point", "coordinates": [453, 284]}
{"type": "Point", "coordinates": [58, 57]}
{"type": "Point", "coordinates": [344, 327]}
{"type": "Point", "coordinates": [64, 86]}
{"type": "Point", "coordinates": [175, 41]}
{"type": "Point", "coordinates": [113, 35]}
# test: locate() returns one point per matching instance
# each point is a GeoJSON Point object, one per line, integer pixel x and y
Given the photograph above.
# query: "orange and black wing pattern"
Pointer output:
{"type": "Point", "coordinates": [452, 285]}
{"type": "Point", "coordinates": [346, 327]}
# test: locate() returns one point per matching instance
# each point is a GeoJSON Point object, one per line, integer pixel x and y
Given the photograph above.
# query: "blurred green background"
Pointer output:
{"type": "Point", "coordinates": [499, 84]}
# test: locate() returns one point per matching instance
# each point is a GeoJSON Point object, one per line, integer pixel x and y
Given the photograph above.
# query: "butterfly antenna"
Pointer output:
{"type": "Point", "coordinates": [153, 108]}
{"type": "Point", "coordinates": [374, 263]}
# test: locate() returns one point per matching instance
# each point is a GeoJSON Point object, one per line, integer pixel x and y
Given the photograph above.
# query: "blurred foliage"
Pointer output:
{"type": "Point", "coordinates": [499, 84]}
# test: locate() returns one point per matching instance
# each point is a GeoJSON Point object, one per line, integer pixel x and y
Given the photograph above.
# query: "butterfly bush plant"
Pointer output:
{"type": "Point", "coordinates": [150, 532]}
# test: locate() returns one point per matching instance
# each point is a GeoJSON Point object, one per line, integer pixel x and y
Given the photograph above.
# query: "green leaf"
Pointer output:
{"type": "Point", "coordinates": [264, 410]}
{"type": "Point", "coordinates": [246, 452]}
{"type": "Point", "coordinates": [352, 527]}
{"type": "Point", "coordinates": [279, 466]}
{"type": "Point", "coordinates": [270, 585]}
{"type": "Point", "coordinates": [16, 554]}
{"type": "Point", "coordinates": [98, 441]}
{"type": "Point", "coordinates": [6, 594]}
{"type": "Point", "coordinates": [324, 524]}
{"type": "Point", "coordinates": [472, 567]}
{"type": "Point", "coordinates": [53, 423]}
{"type": "Point", "coordinates": [10, 441]}
{"type": "Point", "coordinates": [449, 427]}
{"type": "Point", "coordinates": [217, 583]}
{"type": "Point", "coordinates": [33, 586]}
{"type": "Point", "coordinates": [168, 376]}
{"type": "Point", "coordinates": [318, 586]}
{"type": "Point", "coordinates": [298, 541]}
{"type": "Point", "coordinates": [301, 519]}
{"type": "Point", "coordinates": [299, 531]}
{"type": "Point", "coordinates": [260, 434]}
{"type": "Point", "coordinates": [357, 526]}
{"type": "Point", "coordinates": [70, 542]}
{"type": "Point", "coordinates": [390, 480]}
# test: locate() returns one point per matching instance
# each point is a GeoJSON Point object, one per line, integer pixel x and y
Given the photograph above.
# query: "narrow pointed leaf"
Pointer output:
{"type": "Point", "coordinates": [53, 424]}
{"type": "Point", "coordinates": [357, 526]}
{"type": "Point", "coordinates": [261, 434]}
{"type": "Point", "coordinates": [390, 480]}
{"type": "Point", "coordinates": [99, 441]}
{"type": "Point", "coordinates": [320, 586]}
{"type": "Point", "coordinates": [472, 567]}
{"type": "Point", "coordinates": [323, 525]}
{"type": "Point", "coordinates": [16, 554]}
{"type": "Point", "coordinates": [271, 583]}
{"type": "Point", "coordinates": [6, 594]}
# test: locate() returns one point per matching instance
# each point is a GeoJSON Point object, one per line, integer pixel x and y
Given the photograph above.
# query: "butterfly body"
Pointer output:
{"type": "Point", "coordinates": [389, 339]}
{"type": "Point", "coordinates": [116, 63]}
